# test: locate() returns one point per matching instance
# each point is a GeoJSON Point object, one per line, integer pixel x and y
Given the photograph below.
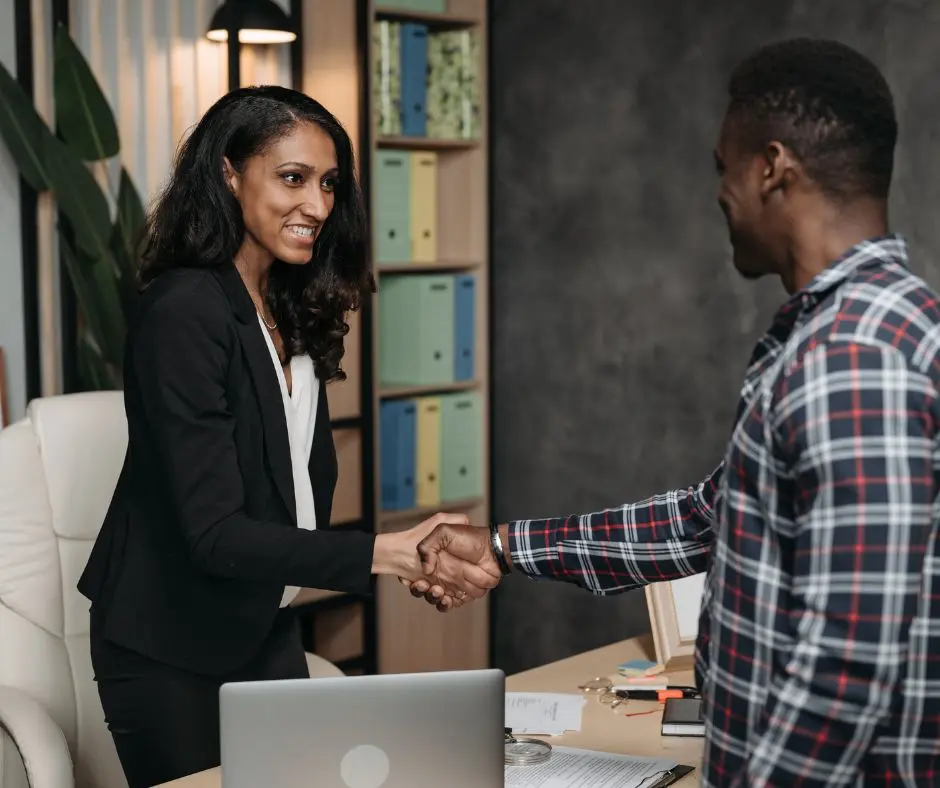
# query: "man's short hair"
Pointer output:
{"type": "Point", "coordinates": [828, 104]}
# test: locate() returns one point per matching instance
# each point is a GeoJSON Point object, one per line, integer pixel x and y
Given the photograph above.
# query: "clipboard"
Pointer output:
{"type": "Point", "coordinates": [673, 775]}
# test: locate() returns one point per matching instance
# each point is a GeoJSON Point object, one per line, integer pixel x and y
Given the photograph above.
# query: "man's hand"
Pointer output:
{"type": "Point", "coordinates": [452, 556]}
{"type": "Point", "coordinates": [447, 580]}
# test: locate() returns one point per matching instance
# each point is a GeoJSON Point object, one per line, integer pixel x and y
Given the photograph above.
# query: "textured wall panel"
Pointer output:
{"type": "Point", "coordinates": [621, 329]}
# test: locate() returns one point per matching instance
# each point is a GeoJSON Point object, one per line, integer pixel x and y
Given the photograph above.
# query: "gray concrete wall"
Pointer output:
{"type": "Point", "coordinates": [621, 330]}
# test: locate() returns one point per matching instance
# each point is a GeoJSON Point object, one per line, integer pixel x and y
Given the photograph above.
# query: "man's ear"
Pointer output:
{"type": "Point", "coordinates": [231, 177]}
{"type": "Point", "coordinates": [779, 168]}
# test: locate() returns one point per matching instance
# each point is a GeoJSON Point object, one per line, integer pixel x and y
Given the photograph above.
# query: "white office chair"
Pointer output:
{"type": "Point", "coordinates": [58, 469]}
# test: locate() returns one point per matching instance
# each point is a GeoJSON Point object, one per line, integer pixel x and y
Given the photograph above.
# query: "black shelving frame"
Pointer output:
{"type": "Point", "coordinates": [367, 661]}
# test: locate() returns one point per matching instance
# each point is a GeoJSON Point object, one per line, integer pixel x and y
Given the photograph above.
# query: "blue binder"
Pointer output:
{"type": "Point", "coordinates": [397, 423]}
{"type": "Point", "coordinates": [464, 326]}
{"type": "Point", "coordinates": [414, 70]}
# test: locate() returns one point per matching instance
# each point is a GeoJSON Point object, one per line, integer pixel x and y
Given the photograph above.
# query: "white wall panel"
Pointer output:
{"type": "Point", "coordinates": [160, 74]}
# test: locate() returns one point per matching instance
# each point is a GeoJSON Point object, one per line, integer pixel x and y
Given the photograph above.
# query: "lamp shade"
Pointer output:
{"type": "Point", "coordinates": [257, 22]}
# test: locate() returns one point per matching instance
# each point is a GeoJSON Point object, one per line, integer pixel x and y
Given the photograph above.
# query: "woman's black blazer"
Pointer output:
{"type": "Point", "coordinates": [201, 534]}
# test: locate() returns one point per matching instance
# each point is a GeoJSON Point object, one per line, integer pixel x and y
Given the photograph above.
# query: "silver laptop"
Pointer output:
{"type": "Point", "coordinates": [388, 731]}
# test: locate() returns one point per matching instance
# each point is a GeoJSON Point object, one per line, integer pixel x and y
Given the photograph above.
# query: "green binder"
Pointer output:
{"type": "Point", "coordinates": [416, 329]}
{"type": "Point", "coordinates": [428, 6]}
{"type": "Point", "coordinates": [386, 77]}
{"type": "Point", "coordinates": [392, 206]}
{"type": "Point", "coordinates": [461, 446]}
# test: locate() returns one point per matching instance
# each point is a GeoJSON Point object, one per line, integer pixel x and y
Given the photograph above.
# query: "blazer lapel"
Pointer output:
{"type": "Point", "coordinates": [267, 387]}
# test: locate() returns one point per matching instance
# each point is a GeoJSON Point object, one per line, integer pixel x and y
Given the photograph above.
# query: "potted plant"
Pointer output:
{"type": "Point", "coordinates": [98, 230]}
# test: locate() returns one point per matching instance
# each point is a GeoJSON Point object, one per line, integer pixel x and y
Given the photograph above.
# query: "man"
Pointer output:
{"type": "Point", "coordinates": [818, 653]}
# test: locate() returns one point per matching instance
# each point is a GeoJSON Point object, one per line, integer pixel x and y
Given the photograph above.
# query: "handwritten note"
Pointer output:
{"type": "Point", "coordinates": [543, 712]}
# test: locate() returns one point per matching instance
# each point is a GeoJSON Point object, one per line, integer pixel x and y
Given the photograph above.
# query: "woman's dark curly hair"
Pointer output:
{"type": "Point", "coordinates": [197, 221]}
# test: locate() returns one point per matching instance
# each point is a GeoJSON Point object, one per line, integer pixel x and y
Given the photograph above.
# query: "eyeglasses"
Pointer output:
{"type": "Point", "coordinates": [603, 688]}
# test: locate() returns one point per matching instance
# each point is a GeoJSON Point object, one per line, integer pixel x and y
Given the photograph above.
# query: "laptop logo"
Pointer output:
{"type": "Point", "coordinates": [364, 766]}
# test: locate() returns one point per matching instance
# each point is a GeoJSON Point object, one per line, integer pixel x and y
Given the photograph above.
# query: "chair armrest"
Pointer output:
{"type": "Point", "coordinates": [39, 740]}
{"type": "Point", "coordinates": [320, 668]}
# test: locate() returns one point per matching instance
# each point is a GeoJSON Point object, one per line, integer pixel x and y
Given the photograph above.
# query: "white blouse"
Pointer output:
{"type": "Point", "coordinates": [300, 410]}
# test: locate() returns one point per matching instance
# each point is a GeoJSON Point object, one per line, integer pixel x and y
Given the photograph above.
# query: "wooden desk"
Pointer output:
{"type": "Point", "coordinates": [601, 727]}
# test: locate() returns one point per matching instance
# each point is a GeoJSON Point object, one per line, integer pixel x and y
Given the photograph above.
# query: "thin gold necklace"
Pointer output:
{"type": "Point", "coordinates": [270, 327]}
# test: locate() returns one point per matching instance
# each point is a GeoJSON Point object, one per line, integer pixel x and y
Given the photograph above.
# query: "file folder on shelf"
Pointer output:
{"type": "Point", "coordinates": [464, 326]}
{"type": "Point", "coordinates": [453, 85]}
{"type": "Point", "coordinates": [428, 6]}
{"type": "Point", "coordinates": [416, 329]}
{"type": "Point", "coordinates": [423, 181]}
{"type": "Point", "coordinates": [397, 432]}
{"type": "Point", "coordinates": [414, 67]}
{"type": "Point", "coordinates": [428, 456]}
{"type": "Point", "coordinates": [392, 206]}
{"type": "Point", "coordinates": [386, 77]}
{"type": "Point", "coordinates": [461, 446]}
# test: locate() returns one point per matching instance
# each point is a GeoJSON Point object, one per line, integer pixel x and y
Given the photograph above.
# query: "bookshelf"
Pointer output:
{"type": "Point", "coordinates": [415, 637]}
{"type": "Point", "coordinates": [392, 632]}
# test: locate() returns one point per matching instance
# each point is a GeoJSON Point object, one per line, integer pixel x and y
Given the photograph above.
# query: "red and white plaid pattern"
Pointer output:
{"type": "Point", "coordinates": [819, 640]}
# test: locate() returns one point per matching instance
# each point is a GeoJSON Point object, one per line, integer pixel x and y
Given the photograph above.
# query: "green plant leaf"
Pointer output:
{"type": "Point", "coordinates": [128, 223]}
{"type": "Point", "coordinates": [25, 133]}
{"type": "Point", "coordinates": [108, 299]}
{"type": "Point", "coordinates": [83, 115]}
{"type": "Point", "coordinates": [95, 373]}
{"type": "Point", "coordinates": [96, 291]}
{"type": "Point", "coordinates": [126, 238]}
{"type": "Point", "coordinates": [81, 199]}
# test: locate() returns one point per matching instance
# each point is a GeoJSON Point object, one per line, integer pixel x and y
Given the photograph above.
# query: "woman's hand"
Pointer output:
{"type": "Point", "coordinates": [451, 582]}
{"type": "Point", "coordinates": [455, 556]}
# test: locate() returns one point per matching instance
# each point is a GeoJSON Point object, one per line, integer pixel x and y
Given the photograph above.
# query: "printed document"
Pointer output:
{"type": "Point", "coordinates": [543, 712]}
{"type": "Point", "coordinates": [573, 768]}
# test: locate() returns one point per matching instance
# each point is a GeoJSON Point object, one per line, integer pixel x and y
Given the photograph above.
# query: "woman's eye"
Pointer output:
{"type": "Point", "coordinates": [328, 184]}
{"type": "Point", "coordinates": [293, 178]}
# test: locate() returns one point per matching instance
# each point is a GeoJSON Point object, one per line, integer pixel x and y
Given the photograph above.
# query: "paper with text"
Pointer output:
{"type": "Point", "coordinates": [572, 768]}
{"type": "Point", "coordinates": [543, 712]}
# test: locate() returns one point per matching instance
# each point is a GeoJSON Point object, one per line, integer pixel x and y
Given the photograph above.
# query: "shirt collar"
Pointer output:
{"type": "Point", "coordinates": [880, 251]}
{"type": "Point", "coordinates": [883, 250]}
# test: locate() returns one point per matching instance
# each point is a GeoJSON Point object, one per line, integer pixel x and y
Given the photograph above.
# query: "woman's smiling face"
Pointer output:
{"type": "Point", "coordinates": [286, 194]}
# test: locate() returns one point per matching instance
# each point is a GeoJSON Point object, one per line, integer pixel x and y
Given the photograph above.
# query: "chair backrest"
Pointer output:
{"type": "Point", "coordinates": [58, 469]}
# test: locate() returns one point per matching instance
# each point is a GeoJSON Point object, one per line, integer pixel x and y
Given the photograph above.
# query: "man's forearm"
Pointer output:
{"type": "Point", "coordinates": [662, 538]}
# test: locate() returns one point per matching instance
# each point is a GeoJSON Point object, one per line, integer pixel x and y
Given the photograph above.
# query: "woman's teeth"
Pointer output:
{"type": "Point", "coordinates": [302, 232]}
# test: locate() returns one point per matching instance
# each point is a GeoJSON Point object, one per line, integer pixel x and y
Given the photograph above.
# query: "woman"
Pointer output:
{"type": "Point", "coordinates": [255, 252]}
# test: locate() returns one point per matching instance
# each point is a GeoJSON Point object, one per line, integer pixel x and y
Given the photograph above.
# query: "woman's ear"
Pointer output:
{"type": "Point", "coordinates": [231, 177]}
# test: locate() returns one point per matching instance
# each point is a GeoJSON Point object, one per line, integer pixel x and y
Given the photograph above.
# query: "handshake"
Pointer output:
{"type": "Point", "coordinates": [446, 560]}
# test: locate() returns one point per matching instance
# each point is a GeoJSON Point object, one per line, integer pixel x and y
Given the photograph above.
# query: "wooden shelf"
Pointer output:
{"type": "Point", "coordinates": [397, 392]}
{"type": "Point", "coordinates": [426, 268]}
{"type": "Point", "coordinates": [411, 637]}
{"type": "Point", "coordinates": [423, 512]}
{"type": "Point", "coordinates": [426, 143]}
{"type": "Point", "coordinates": [434, 21]}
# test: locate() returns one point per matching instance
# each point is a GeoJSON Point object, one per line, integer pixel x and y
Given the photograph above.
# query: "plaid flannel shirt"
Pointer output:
{"type": "Point", "coordinates": [818, 652]}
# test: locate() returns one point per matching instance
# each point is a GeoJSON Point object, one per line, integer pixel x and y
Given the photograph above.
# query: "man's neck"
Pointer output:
{"type": "Point", "coordinates": [827, 233]}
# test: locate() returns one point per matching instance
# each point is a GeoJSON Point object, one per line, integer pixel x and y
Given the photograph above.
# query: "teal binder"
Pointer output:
{"type": "Point", "coordinates": [428, 6]}
{"type": "Point", "coordinates": [416, 329]}
{"type": "Point", "coordinates": [392, 206]}
{"type": "Point", "coordinates": [461, 446]}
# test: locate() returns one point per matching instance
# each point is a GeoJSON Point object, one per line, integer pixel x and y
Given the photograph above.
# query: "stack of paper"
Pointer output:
{"type": "Point", "coordinates": [543, 712]}
{"type": "Point", "coordinates": [585, 769]}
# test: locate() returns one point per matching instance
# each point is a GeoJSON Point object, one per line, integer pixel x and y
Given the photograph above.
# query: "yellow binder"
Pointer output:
{"type": "Point", "coordinates": [428, 455]}
{"type": "Point", "coordinates": [424, 207]}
